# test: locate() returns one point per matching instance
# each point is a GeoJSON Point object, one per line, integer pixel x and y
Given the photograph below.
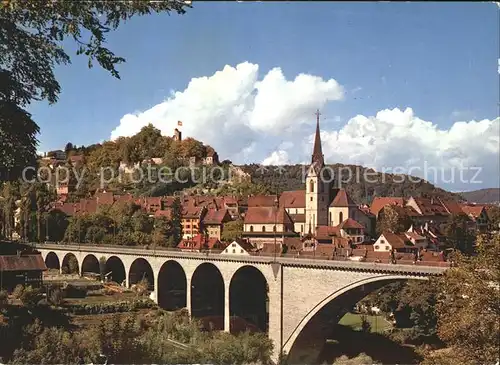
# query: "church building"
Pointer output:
{"type": "Point", "coordinates": [319, 205]}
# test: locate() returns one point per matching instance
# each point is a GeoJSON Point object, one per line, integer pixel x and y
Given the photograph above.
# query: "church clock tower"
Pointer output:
{"type": "Point", "coordinates": [317, 189]}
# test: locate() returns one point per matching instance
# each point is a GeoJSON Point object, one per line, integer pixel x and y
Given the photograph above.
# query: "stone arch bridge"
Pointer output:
{"type": "Point", "coordinates": [294, 300]}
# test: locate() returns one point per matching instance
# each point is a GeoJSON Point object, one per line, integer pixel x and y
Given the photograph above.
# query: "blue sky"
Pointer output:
{"type": "Point", "coordinates": [439, 59]}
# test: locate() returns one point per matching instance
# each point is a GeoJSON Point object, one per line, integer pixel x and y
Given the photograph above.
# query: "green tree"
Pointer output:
{"type": "Point", "coordinates": [4, 299]}
{"type": "Point", "coordinates": [493, 217]}
{"type": "Point", "coordinates": [421, 298]}
{"type": "Point", "coordinates": [468, 308]}
{"type": "Point", "coordinates": [458, 235]}
{"type": "Point", "coordinates": [393, 219]}
{"type": "Point", "coordinates": [161, 231]}
{"type": "Point", "coordinates": [232, 230]}
{"type": "Point", "coordinates": [31, 34]}
{"type": "Point", "coordinates": [30, 296]}
{"type": "Point", "coordinates": [176, 221]}
{"type": "Point", "coordinates": [57, 222]}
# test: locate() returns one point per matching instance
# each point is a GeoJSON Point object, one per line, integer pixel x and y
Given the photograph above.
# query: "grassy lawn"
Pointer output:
{"type": "Point", "coordinates": [353, 320]}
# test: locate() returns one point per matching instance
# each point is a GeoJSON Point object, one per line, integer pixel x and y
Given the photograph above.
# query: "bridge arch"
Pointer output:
{"type": "Point", "coordinates": [70, 264]}
{"type": "Point", "coordinates": [116, 269]}
{"type": "Point", "coordinates": [90, 264]}
{"type": "Point", "coordinates": [172, 286]}
{"type": "Point", "coordinates": [52, 261]}
{"type": "Point", "coordinates": [315, 327]}
{"type": "Point", "coordinates": [207, 296]}
{"type": "Point", "coordinates": [249, 300]}
{"type": "Point", "coordinates": [141, 269]}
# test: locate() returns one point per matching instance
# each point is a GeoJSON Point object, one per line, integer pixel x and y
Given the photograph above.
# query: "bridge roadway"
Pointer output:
{"type": "Point", "coordinates": [299, 261]}
{"type": "Point", "coordinates": [298, 296]}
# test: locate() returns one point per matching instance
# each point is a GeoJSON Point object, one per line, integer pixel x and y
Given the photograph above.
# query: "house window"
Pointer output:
{"type": "Point", "coordinates": [263, 228]}
{"type": "Point", "coordinates": [330, 218]}
{"type": "Point", "coordinates": [311, 186]}
{"type": "Point", "coordinates": [233, 245]}
{"type": "Point", "coordinates": [382, 241]}
{"type": "Point", "coordinates": [387, 248]}
{"type": "Point", "coordinates": [251, 228]}
{"type": "Point", "coordinates": [274, 228]}
{"type": "Point", "coordinates": [234, 251]}
{"type": "Point", "coordinates": [341, 217]}
{"type": "Point", "coordinates": [241, 251]}
{"type": "Point", "coordinates": [377, 247]}
{"type": "Point", "coordinates": [302, 228]}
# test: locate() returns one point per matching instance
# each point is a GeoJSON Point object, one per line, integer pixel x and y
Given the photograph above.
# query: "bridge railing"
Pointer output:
{"type": "Point", "coordinates": [311, 256]}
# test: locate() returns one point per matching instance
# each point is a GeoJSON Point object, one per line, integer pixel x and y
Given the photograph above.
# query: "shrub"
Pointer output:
{"type": "Point", "coordinates": [56, 297]}
{"type": "Point", "coordinates": [30, 296]}
{"type": "Point", "coordinates": [365, 324]}
{"type": "Point", "coordinates": [72, 291]}
{"type": "Point", "coordinates": [18, 291]}
{"type": "Point", "coordinates": [4, 299]}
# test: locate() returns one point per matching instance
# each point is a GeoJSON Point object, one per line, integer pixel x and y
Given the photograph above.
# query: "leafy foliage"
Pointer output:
{"type": "Point", "coordinates": [392, 219]}
{"type": "Point", "coordinates": [232, 230]}
{"type": "Point", "coordinates": [468, 309]}
{"type": "Point", "coordinates": [31, 33]}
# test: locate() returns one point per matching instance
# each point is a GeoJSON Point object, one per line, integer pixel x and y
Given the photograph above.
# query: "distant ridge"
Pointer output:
{"type": "Point", "coordinates": [482, 196]}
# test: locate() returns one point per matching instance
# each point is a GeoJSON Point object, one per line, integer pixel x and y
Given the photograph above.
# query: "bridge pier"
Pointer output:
{"type": "Point", "coordinates": [227, 311]}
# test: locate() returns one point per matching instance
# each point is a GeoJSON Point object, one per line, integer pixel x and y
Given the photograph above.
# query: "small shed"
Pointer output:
{"type": "Point", "coordinates": [21, 269]}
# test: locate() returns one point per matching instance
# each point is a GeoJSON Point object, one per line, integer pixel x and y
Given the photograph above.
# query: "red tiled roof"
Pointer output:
{"type": "Point", "coordinates": [451, 206]}
{"type": "Point", "coordinates": [351, 223]}
{"type": "Point", "coordinates": [298, 218]}
{"type": "Point", "coordinates": [430, 206]}
{"type": "Point", "coordinates": [189, 211]}
{"type": "Point", "coordinates": [123, 199]}
{"type": "Point", "coordinates": [167, 213]}
{"type": "Point", "coordinates": [86, 206]}
{"type": "Point", "coordinates": [342, 199]}
{"type": "Point", "coordinates": [267, 215]}
{"type": "Point", "coordinates": [397, 240]}
{"type": "Point", "coordinates": [293, 199]}
{"type": "Point", "coordinates": [22, 263]}
{"type": "Point", "coordinates": [216, 216]}
{"type": "Point", "coordinates": [199, 241]}
{"type": "Point", "coordinates": [244, 244]}
{"type": "Point", "coordinates": [76, 158]}
{"type": "Point", "coordinates": [325, 232]}
{"type": "Point", "coordinates": [410, 211]}
{"type": "Point", "coordinates": [366, 211]}
{"type": "Point", "coordinates": [473, 211]}
{"type": "Point", "coordinates": [379, 202]}
{"type": "Point", "coordinates": [262, 201]}
{"type": "Point", "coordinates": [104, 198]}
{"type": "Point", "coordinates": [414, 235]}
{"type": "Point", "coordinates": [293, 243]}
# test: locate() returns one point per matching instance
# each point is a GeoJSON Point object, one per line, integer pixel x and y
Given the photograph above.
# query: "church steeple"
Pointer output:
{"type": "Point", "coordinates": [317, 155]}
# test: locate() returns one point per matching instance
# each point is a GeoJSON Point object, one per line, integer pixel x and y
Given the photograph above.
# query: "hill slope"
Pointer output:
{"type": "Point", "coordinates": [362, 183]}
{"type": "Point", "coordinates": [482, 196]}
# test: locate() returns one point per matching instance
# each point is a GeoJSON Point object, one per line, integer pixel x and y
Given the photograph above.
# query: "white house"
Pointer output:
{"type": "Point", "coordinates": [240, 247]}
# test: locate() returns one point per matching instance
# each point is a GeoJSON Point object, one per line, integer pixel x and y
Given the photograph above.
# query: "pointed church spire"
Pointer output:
{"type": "Point", "coordinates": [317, 155]}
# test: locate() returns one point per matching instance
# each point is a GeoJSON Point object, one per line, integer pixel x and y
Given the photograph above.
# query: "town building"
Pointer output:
{"type": "Point", "coordinates": [21, 269]}
{"type": "Point", "coordinates": [397, 242]}
{"type": "Point", "coordinates": [201, 243]}
{"type": "Point", "coordinates": [266, 224]}
{"type": "Point", "coordinates": [239, 247]}
{"type": "Point", "coordinates": [213, 222]}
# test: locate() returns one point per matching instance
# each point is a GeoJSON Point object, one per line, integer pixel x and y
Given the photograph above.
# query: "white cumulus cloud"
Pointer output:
{"type": "Point", "coordinates": [277, 158]}
{"type": "Point", "coordinates": [232, 109]}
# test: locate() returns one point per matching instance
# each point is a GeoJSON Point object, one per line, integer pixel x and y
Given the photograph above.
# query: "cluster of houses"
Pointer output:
{"type": "Point", "coordinates": [318, 220]}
